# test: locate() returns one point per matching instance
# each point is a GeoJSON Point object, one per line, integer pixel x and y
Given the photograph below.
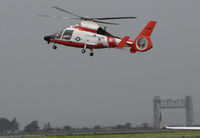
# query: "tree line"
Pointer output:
{"type": "Point", "coordinates": [12, 126]}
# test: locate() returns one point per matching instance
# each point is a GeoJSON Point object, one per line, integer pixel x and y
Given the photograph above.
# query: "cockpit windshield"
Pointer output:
{"type": "Point", "coordinates": [59, 34]}
{"type": "Point", "coordinates": [64, 34]}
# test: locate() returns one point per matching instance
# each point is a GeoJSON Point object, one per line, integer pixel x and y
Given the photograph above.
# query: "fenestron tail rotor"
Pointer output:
{"type": "Point", "coordinates": [98, 20]}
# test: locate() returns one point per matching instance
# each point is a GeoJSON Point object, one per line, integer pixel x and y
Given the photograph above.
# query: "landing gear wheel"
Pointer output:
{"type": "Point", "coordinates": [91, 54]}
{"type": "Point", "coordinates": [54, 47]}
{"type": "Point", "coordinates": [83, 51]}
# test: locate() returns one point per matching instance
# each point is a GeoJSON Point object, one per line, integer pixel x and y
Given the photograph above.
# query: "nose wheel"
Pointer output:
{"type": "Point", "coordinates": [54, 46]}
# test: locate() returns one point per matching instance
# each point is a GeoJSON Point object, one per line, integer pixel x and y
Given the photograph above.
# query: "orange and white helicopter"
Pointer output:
{"type": "Point", "coordinates": [90, 35]}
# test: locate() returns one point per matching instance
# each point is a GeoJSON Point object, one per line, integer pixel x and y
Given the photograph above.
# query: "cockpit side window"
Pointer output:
{"type": "Point", "coordinates": [67, 34]}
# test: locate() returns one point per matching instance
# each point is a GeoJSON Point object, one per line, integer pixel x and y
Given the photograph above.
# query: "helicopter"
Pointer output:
{"type": "Point", "coordinates": [89, 34]}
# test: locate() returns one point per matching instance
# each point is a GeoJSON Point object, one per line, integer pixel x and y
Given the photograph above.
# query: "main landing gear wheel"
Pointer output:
{"type": "Point", "coordinates": [54, 47]}
{"type": "Point", "coordinates": [91, 53]}
{"type": "Point", "coordinates": [83, 51]}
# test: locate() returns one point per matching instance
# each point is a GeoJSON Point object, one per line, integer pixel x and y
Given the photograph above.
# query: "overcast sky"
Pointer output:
{"type": "Point", "coordinates": [64, 86]}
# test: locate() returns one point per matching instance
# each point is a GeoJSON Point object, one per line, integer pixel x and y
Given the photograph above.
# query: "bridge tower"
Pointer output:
{"type": "Point", "coordinates": [159, 104]}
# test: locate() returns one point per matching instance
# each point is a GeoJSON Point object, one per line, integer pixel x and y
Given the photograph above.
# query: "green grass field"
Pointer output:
{"type": "Point", "coordinates": [194, 134]}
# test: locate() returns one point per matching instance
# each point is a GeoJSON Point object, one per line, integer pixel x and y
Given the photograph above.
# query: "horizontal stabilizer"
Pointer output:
{"type": "Point", "coordinates": [123, 42]}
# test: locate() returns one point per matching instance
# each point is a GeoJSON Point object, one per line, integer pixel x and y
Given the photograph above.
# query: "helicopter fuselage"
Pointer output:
{"type": "Point", "coordinates": [89, 35]}
{"type": "Point", "coordinates": [82, 37]}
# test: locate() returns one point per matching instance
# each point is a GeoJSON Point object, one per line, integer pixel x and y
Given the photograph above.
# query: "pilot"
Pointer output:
{"type": "Point", "coordinates": [66, 37]}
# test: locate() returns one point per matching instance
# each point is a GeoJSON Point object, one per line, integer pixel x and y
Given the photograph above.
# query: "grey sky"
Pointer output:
{"type": "Point", "coordinates": [63, 86]}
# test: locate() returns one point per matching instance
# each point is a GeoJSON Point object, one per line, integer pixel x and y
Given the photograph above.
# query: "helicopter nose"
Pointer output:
{"type": "Point", "coordinates": [47, 38]}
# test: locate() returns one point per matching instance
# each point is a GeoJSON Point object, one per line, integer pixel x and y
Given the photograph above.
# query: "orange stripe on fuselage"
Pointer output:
{"type": "Point", "coordinates": [111, 41]}
{"type": "Point", "coordinates": [86, 29]}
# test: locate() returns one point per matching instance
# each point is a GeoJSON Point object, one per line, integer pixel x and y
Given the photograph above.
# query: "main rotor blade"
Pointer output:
{"type": "Point", "coordinates": [105, 22]}
{"type": "Point", "coordinates": [114, 18]}
{"type": "Point", "coordinates": [57, 8]}
{"type": "Point", "coordinates": [59, 17]}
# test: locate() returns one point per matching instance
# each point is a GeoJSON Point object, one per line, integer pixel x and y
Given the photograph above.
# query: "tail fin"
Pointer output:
{"type": "Point", "coordinates": [143, 42]}
{"type": "Point", "coordinates": [148, 29]}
